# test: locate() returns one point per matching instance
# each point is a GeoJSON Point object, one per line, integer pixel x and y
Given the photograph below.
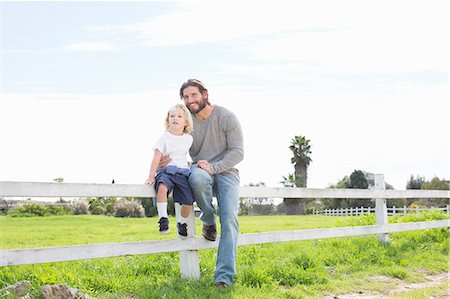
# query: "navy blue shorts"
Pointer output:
{"type": "Point", "coordinates": [178, 183]}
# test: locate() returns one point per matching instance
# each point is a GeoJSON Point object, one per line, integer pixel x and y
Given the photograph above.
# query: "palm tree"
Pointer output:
{"type": "Point", "coordinates": [301, 149]}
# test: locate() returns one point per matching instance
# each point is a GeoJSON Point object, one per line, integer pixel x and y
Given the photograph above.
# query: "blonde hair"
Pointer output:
{"type": "Point", "coordinates": [187, 114]}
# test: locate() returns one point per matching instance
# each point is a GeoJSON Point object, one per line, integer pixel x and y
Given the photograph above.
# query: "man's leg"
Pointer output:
{"type": "Point", "coordinates": [227, 192]}
{"type": "Point", "coordinates": [201, 184]}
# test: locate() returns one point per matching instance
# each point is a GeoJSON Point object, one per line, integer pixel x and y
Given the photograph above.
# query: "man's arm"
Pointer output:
{"type": "Point", "coordinates": [235, 146]}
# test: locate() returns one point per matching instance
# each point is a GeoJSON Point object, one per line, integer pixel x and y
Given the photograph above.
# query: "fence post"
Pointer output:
{"type": "Point", "coordinates": [448, 209]}
{"type": "Point", "coordinates": [380, 207]}
{"type": "Point", "coordinates": [405, 211]}
{"type": "Point", "coordinates": [189, 262]}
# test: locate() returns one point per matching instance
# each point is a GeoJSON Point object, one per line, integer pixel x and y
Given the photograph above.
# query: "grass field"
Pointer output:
{"type": "Point", "coordinates": [33, 232]}
{"type": "Point", "coordinates": [307, 269]}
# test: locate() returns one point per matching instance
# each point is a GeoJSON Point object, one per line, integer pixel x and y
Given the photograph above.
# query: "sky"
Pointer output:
{"type": "Point", "coordinates": [85, 86]}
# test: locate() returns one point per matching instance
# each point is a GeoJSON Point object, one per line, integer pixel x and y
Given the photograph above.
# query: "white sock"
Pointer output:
{"type": "Point", "coordinates": [182, 220]}
{"type": "Point", "coordinates": [162, 209]}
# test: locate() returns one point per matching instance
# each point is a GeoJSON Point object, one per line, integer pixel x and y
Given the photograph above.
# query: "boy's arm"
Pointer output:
{"type": "Point", "coordinates": [153, 167]}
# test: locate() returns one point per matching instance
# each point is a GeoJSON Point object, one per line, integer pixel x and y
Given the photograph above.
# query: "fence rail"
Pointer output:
{"type": "Point", "coordinates": [189, 263]}
{"type": "Point", "coordinates": [364, 210]}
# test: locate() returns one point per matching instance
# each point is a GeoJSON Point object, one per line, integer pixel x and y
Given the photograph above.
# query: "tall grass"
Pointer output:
{"type": "Point", "coordinates": [306, 269]}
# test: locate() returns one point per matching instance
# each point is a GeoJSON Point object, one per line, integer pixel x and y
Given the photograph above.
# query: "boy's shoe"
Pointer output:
{"type": "Point", "coordinates": [163, 225]}
{"type": "Point", "coordinates": [182, 230]}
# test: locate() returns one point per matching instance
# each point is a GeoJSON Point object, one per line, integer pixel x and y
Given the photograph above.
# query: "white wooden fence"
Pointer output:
{"type": "Point", "coordinates": [189, 263]}
{"type": "Point", "coordinates": [365, 210]}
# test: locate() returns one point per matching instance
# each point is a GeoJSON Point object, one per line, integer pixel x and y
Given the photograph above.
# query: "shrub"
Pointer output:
{"type": "Point", "coordinates": [98, 210]}
{"type": "Point", "coordinates": [101, 205]}
{"type": "Point", "coordinates": [109, 208]}
{"type": "Point", "coordinates": [80, 207]}
{"type": "Point", "coordinates": [128, 208]}
{"type": "Point", "coordinates": [149, 208]}
{"type": "Point", "coordinates": [28, 210]}
{"type": "Point", "coordinates": [59, 210]}
{"type": "Point", "coordinates": [244, 207]}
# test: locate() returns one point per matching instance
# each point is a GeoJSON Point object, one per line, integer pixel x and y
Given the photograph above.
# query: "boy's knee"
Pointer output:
{"type": "Point", "coordinates": [162, 187]}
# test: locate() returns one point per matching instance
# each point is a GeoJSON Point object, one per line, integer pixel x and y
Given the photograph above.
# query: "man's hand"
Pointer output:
{"type": "Point", "coordinates": [164, 161]}
{"type": "Point", "coordinates": [203, 164]}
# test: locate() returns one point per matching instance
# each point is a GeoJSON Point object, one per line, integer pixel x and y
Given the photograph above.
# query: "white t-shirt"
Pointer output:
{"type": "Point", "coordinates": [177, 147]}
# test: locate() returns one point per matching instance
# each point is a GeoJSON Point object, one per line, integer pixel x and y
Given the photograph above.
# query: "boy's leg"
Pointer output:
{"type": "Point", "coordinates": [182, 225]}
{"type": "Point", "coordinates": [161, 200]}
{"type": "Point", "coordinates": [182, 194]}
{"type": "Point", "coordinates": [185, 211]}
{"type": "Point", "coordinates": [161, 203]}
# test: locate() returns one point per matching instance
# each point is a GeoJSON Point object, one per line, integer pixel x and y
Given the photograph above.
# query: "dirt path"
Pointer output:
{"type": "Point", "coordinates": [400, 287]}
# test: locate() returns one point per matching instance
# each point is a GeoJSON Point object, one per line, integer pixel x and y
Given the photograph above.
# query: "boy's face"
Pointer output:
{"type": "Point", "coordinates": [177, 120]}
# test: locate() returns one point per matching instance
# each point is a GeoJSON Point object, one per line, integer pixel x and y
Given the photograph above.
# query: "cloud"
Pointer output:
{"type": "Point", "coordinates": [194, 22]}
{"type": "Point", "coordinates": [345, 37]}
{"type": "Point", "coordinates": [89, 47]}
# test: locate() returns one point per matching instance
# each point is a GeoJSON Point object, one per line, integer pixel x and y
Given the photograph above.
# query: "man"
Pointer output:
{"type": "Point", "coordinates": [216, 149]}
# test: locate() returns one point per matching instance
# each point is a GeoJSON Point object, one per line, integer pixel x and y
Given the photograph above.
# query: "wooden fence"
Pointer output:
{"type": "Point", "coordinates": [189, 262]}
{"type": "Point", "coordinates": [363, 210]}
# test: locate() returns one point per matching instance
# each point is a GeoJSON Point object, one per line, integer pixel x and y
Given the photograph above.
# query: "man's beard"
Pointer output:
{"type": "Point", "coordinates": [201, 105]}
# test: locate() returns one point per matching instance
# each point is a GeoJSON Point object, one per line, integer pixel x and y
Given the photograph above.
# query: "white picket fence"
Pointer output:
{"type": "Point", "coordinates": [189, 262]}
{"type": "Point", "coordinates": [366, 210]}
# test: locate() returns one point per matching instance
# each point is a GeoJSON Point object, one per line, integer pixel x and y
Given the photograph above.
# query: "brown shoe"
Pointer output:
{"type": "Point", "coordinates": [220, 285]}
{"type": "Point", "coordinates": [209, 232]}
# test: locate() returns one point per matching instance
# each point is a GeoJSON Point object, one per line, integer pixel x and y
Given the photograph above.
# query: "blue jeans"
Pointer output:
{"type": "Point", "coordinates": [226, 189]}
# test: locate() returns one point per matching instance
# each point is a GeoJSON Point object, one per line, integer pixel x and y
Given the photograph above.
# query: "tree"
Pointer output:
{"type": "Point", "coordinates": [344, 183]}
{"type": "Point", "coordinates": [288, 181]}
{"type": "Point", "coordinates": [301, 150]}
{"type": "Point", "coordinates": [436, 184]}
{"type": "Point", "coordinates": [415, 183]}
{"type": "Point", "coordinates": [358, 180]}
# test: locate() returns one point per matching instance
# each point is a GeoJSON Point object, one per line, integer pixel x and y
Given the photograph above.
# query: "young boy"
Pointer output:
{"type": "Point", "coordinates": [175, 142]}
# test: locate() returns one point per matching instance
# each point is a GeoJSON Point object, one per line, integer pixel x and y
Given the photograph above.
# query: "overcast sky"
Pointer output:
{"type": "Point", "coordinates": [85, 86]}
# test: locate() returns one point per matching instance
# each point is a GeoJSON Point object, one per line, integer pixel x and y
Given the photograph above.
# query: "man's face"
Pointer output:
{"type": "Point", "coordinates": [195, 101]}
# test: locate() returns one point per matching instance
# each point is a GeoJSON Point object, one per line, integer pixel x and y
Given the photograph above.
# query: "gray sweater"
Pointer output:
{"type": "Point", "coordinates": [218, 140]}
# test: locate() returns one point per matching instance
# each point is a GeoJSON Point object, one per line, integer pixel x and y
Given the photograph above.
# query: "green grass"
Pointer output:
{"type": "Point", "coordinates": [438, 291]}
{"type": "Point", "coordinates": [307, 269]}
{"type": "Point", "coordinates": [35, 232]}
